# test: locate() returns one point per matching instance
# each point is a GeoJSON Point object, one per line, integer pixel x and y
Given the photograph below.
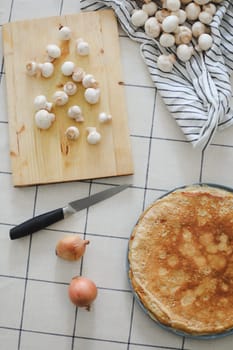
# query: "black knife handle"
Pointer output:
{"type": "Point", "coordinates": [37, 223]}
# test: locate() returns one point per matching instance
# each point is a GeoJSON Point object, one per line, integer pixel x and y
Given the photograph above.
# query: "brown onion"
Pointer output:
{"type": "Point", "coordinates": [82, 291]}
{"type": "Point", "coordinates": [71, 247]}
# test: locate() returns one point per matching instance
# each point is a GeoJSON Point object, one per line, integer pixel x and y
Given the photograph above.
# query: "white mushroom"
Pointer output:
{"type": "Point", "coordinates": [70, 88]}
{"type": "Point", "coordinates": [201, 2]}
{"type": "Point", "coordinates": [198, 28]}
{"type": "Point", "coordinates": [60, 98]}
{"type": "Point", "coordinates": [64, 33]}
{"type": "Point", "coordinates": [192, 11]}
{"type": "Point", "coordinates": [211, 8]}
{"type": "Point", "coordinates": [165, 62]}
{"type": "Point", "coordinates": [184, 52]}
{"type": "Point", "coordinates": [67, 68]}
{"type": "Point", "coordinates": [170, 24]}
{"type": "Point", "coordinates": [183, 35]}
{"type": "Point", "coordinates": [82, 47]}
{"type": "Point", "coordinates": [93, 136]}
{"type": "Point", "coordinates": [152, 27]}
{"type": "Point", "coordinates": [78, 74]}
{"type": "Point", "coordinates": [173, 5]}
{"type": "Point", "coordinates": [44, 119]}
{"type": "Point", "coordinates": [150, 8]}
{"type": "Point", "coordinates": [104, 117]}
{"type": "Point", "coordinates": [162, 14]}
{"type": "Point", "coordinates": [72, 133]}
{"type": "Point", "coordinates": [40, 102]}
{"type": "Point", "coordinates": [139, 17]}
{"type": "Point", "coordinates": [92, 95]}
{"type": "Point", "coordinates": [75, 112]}
{"type": "Point", "coordinates": [181, 14]}
{"type": "Point", "coordinates": [167, 40]}
{"type": "Point", "coordinates": [205, 41]}
{"type": "Point", "coordinates": [32, 68]}
{"type": "Point", "coordinates": [53, 51]}
{"type": "Point", "coordinates": [205, 17]}
{"type": "Point", "coordinates": [46, 69]}
{"type": "Point", "coordinates": [89, 81]}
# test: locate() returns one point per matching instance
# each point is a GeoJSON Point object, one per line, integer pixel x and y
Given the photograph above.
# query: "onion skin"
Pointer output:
{"type": "Point", "coordinates": [82, 291]}
{"type": "Point", "coordinates": [71, 247]}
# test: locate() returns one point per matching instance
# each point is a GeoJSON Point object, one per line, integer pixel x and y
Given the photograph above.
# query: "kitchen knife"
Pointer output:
{"type": "Point", "coordinates": [41, 221]}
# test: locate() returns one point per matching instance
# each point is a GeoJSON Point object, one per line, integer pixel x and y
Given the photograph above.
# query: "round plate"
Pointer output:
{"type": "Point", "coordinates": [146, 311]}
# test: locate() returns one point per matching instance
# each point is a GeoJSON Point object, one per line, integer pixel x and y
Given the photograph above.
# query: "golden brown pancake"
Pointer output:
{"type": "Point", "coordinates": [181, 260]}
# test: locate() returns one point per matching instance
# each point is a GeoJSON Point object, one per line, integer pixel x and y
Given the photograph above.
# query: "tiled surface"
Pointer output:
{"type": "Point", "coordinates": [35, 311]}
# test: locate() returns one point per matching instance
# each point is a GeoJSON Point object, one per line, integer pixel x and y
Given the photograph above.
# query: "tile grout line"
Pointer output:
{"type": "Point", "coordinates": [11, 10]}
{"type": "Point", "coordinates": [23, 301]}
{"type": "Point", "coordinates": [61, 283]}
{"type": "Point", "coordinates": [2, 68]}
{"type": "Point", "coordinates": [76, 309]}
{"type": "Point", "coordinates": [202, 163]}
{"type": "Point", "coordinates": [61, 7]}
{"type": "Point", "coordinates": [150, 143]}
{"type": "Point", "coordinates": [81, 267]}
{"type": "Point", "coordinates": [26, 276]}
{"type": "Point", "coordinates": [143, 205]}
{"type": "Point", "coordinates": [159, 347]}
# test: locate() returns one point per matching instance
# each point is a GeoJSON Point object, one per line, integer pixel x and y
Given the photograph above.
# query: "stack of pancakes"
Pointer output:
{"type": "Point", "coordinates": [181, 260]}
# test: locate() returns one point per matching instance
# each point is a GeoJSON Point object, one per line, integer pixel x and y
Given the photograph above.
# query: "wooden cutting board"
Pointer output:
{"type": "Point", "coordinates": [46, 156]}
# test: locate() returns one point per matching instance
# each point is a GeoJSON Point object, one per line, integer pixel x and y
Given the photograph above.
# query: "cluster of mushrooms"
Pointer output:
{"type": "Point", "coordinates": [44, 117]}
{"type": "Point", "coordinates": [180, 24]}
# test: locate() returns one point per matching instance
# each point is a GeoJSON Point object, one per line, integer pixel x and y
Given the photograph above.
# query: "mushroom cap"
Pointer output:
{"type": "Point", "coordinates": [83, 48]}
{"type": "Point", "coordinates": [32, 68]}
{"type": "Point", "coordinates": [205, 17]}
{"type": "Point", "coordinates": [53, 51]}
{"type": "Point", "coordinates": [205, 41]}
{"type": "Point", "coordinates": [139, 18]}
{"type": "Point", "coordinates": [104, 117]}
{"type": "Point", "coordinates": [167, 40]}
{"type": "Point", "coordinates": [150, 8]}
{"type": "Point", "coordinates": [78, 74]}
{"type": "Point", "coordinates": [75, 112]}
{"type": "Point", "coordinates": [47, 69]}
{"type": "Point", "coordinates": [192, 10]}
{"type": "Point", "coordinates": [89, 81]}
{"type": "Point", "coordinates": [165, 63]}
{"type": "Point", "coordinates": [170, 23]}
{"type": "Point", "coordinates": [44, 119]}
{"type": "Point", "coordinates": [40, 102]}
{"type": "Point", "coordinates": [93, 136]}
{"type": "Point", "coordinates": [67, 68]}
{"type": "Point", "coordinates": [173, 5]}
{"type": "Point", "coordinates": [198, 28]}
{"type": "Point", "coordinates": [92, 95]}
{"type": "Point", "coordinates": [60, 98]}
{"type": "Point", "coordinates": [184, 52]}
{"type": "Point", "coordinates": [64, 33]}
{"type": "Point", "coordinates": [72, 133]}
{"type": "Point", "coordinates": [152, 27]}
{"type": "Point", "coordinates": [202, 2]}
{"type": "Point", "coordinates": [70, 88]}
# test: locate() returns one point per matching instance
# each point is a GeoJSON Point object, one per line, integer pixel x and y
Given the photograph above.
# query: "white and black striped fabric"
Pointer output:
{"type": "Point", "coordinates": [198, 93]}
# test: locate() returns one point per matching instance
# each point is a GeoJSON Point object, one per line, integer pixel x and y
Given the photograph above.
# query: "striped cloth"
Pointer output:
{"type": "Point", "coordinates": [198, 93]}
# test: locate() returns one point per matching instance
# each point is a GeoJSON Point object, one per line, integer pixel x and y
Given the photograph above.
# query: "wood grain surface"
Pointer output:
{"type": "Point", "coordinates": [46, 156]}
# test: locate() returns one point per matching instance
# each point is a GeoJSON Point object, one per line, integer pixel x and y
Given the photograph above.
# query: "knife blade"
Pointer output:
{"type": "Point", "coordinates": [41, 221]}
